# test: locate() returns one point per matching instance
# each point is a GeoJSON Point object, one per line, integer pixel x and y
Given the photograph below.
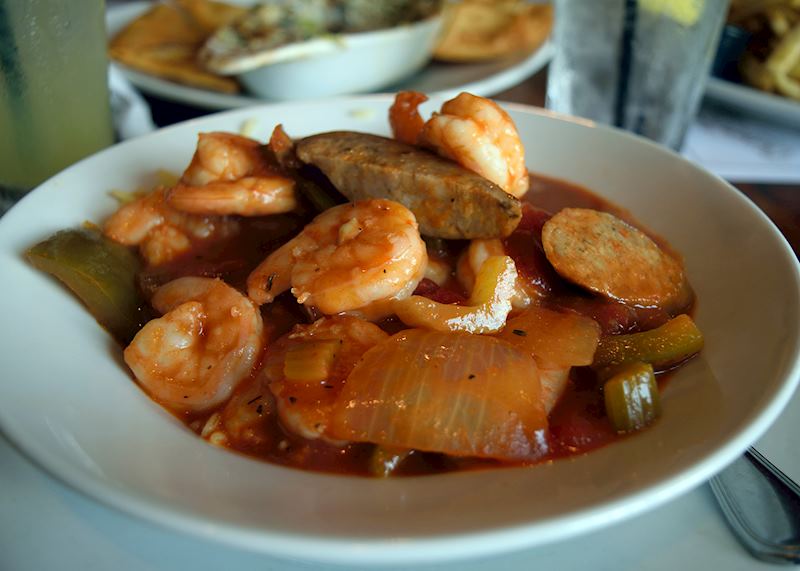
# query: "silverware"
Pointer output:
{"type": "Point", "coordinates": [762, 507]}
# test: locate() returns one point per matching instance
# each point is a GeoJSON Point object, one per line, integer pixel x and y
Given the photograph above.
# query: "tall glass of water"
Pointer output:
{"type": "Point", "coordinates": [637, 64]}
{"type": "Point", "coordinates": [54, 100]}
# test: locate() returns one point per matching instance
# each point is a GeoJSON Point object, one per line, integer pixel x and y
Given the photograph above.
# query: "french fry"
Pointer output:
{"type": "Point", "coordinates": [779, 20]}
{"type": "Point", "coordinates": [784, 58]}
{"type": "Point", "coordinates": [772, 60]}
{"type": "Point", "coordinates": [755, 73]}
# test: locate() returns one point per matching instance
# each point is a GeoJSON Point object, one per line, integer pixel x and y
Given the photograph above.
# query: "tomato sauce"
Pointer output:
{"type": "Point", "coordinates": [577, 424]}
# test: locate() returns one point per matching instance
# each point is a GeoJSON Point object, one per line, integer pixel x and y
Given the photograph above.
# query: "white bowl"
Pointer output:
{"type": "Point", "coordinates": [344, 63]}
{"type": "Point", "coordinates": [67, 401]}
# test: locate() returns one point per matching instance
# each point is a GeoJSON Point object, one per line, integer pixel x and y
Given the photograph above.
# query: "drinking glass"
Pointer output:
{"type": "Point", "coordinates": [54, 99]}
{"type": "Point", "coordinates": [637, 64]}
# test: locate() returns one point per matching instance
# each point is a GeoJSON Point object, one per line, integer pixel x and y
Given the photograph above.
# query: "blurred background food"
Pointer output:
{"type": "Point", "coordinates": [255, 38]}
{"type": "Point", "coordinates": [193, 41]}
{"type": "Point", "coordinates": [771, 60]}
{"type": "Point", "coordinates": [165, 40]}
{"type": "Point", "coordinates": [478, 30]}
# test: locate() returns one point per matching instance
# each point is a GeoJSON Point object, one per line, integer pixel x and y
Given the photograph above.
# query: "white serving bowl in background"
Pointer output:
{"type": "Point", "coordinates": [343, 63]}
{"type": "Point", "coordinates": [68, 402]}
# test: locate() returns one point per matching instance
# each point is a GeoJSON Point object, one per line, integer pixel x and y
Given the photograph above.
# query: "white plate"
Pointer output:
{"type": "Point", "coordinates": [751, 101]}
{"type": "Point", "coordinates": [72, 532]}
{"type": "Point", "coordinates": [67, 401]}
{"type": "Point", "coordinates": [448, 80]}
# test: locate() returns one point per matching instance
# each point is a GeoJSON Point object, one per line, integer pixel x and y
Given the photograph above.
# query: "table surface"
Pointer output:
{"type": "Point", "coordinates": [44, 525]}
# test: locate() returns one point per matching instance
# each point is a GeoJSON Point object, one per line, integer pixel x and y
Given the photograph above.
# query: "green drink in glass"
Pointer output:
{"type": "Point", "coordinates": [54, 100]}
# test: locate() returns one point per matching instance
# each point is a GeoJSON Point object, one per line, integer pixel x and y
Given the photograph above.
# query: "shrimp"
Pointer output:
{"type": "Point", "coordinates": [230, 175]}
{"type": "Point", "coordinates": [438, 270]}
{"type": "Point", "coordinates": [161, 232]}
{"type": "Point", "coordinates": [471, 261]}
{"type": "Point", "coordinates": [472, 131]}
{"type": "Point", "coordinates": [245, 420]}
{"type": "Point", "coordinates": [304, 407]}
{"type": "Point", "coordinates": [207, 341]}
{"type": "Point", "coordinates": [357, 256]}
{"type": "Point", "coordinates": [404, 118]}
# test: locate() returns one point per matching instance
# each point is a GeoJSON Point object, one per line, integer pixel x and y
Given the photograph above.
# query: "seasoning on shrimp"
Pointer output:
{"type": "Point", "coordinates": [207, 341]}
{"type": "Point", "coordinates": [162, 232]}
{"type": "Point", "coordinates": [353, 257]}
{"type": "Point", "coordinates": [473, 131]}
{"type": "Point", "coordinates": [229, 174]}
{"type": "Point", "coordinates": [241, 422]}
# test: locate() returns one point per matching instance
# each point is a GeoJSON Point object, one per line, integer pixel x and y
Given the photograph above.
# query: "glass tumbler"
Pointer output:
{"type": "Point", "coordinates": [637, 64]}
{"type": "Point", "coordinates": [54, 99]}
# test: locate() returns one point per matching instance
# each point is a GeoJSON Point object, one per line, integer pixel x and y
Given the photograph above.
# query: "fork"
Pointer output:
{"type": "Point", "coordinates": [762, 507]}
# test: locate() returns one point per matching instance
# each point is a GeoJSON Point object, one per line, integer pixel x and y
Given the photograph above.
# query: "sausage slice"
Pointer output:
{"type": "Point", "coordinates": [448, 200]}
{"type": "Point", "coordinates": [602, 253]}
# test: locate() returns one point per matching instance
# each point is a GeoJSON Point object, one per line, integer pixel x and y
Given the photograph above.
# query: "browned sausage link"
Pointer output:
{"type": "Point", "coordinates": [448, 200]}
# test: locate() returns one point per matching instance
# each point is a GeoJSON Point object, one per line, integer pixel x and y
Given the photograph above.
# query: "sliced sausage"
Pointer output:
{"type": "Point", "coordinates": [448, 200]}
{"type": "Point", "coordinates": [602, 253]}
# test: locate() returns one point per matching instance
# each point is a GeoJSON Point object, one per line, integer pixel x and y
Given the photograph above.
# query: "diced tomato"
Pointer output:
{"type": "Point", "coordinates": [579, 422]}
{"type": "Point", "coordinates": [435, 292]}
{"type": "Point", "coordinates": [614, 318]}
{"type": "Point", "coordinates": [525, 248]}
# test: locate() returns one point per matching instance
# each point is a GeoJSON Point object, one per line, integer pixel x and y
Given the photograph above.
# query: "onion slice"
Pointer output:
{"type": "Point", "coordinates": [455, 393]}
{"type": "Point", "coordinates": [555, 339]}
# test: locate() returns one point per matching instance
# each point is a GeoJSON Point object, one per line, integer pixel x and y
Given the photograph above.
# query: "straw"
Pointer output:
{"type": "Point", "coordinates": [10, 71]}
{"type": "Point", "coordinates": [625, 61]}
{"type": "Point", "coordinates": [12, 82]}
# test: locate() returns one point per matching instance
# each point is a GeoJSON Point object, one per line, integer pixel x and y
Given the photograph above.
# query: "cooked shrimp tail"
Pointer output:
{"type": "Point", "coordinates": [284, 150]}
{"type": "Point", "coordinates": [229, 174]}
{"type": "Point", "coordinates": [273, 276]}
{"type": "Point", "coordinates": [404, 117]}
{"type": "Point", "coordinates": [282, 147]}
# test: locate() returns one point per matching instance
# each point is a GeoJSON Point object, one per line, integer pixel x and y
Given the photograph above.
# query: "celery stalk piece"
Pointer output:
{"type": "Point", "coordinates": [675, 341]}
{"type": "Point", "coordinates": [310, 361]}
{"type": "Point", "coordinates": [631, 397]}
{"type": "Point", "coordinates": [100, 272]}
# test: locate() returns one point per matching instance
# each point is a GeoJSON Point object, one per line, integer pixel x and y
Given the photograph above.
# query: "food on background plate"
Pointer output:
{"type": "Point", "coordinates": [202, 43]}
{"type": "Point", "coordinates": [337, 332]}
{"type": "Point", "coordinates": [771, 61]}
{"type": "Point", "coordinates": [252, 40]}
{"type": "Point", "coordinates": [164, 42]}
{"type": "Point", "coordinates": [480, 30]}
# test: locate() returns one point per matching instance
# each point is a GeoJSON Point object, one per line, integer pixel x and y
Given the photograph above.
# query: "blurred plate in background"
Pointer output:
{"type": "Point", "coordinates": [751, 101]}
{"type": "Point", "coordinates": [444, 79]}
